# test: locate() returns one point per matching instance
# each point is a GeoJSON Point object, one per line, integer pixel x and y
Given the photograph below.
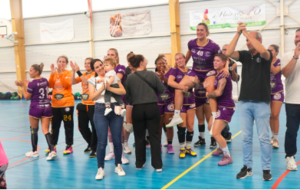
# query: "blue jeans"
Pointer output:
{"type": "Point", "coordinates": [101, 124]}
{"type": "Point", "coordinates": [259, 112]}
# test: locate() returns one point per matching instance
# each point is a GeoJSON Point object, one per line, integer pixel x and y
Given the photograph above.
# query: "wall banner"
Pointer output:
{"type": "Point", "coordinates": [130, 24]}
{"type": "Point", "coordinates": [55, 32]}
{"type": "Point", "coordinates": [228, 17]}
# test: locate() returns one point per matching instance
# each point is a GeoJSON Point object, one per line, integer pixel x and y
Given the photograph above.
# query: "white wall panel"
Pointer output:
{"type": "Point", "coordinates": [32, 27]}
{"type": "Point", "coordinates": [7, 82]}
{"type": "Point", "coordinates": [159, 19]}
{"type": "Point", "coordinates": [5, 42]}
{"type": "Point", "coordinates": [7, 59]}
{"type": "Point", "coordinates": [48, 54]}
{"type": "Point", "coordinates": [149, 47]}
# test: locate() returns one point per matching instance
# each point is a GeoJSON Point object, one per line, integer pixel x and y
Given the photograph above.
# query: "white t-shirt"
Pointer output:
{"type": "Point", "coordinates": [93, 81]}
{"type": "Point", "coordinates": [112, 73]}
{"type": "Point", "coordinates": [292, 84]}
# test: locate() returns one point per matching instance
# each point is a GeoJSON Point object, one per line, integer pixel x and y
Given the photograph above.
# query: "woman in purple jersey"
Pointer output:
{"type": "Point", "coordinates": [188, 109]}
{"type": "Point", "coordinates": [277, 95]}
{"type": "Point", "coordinates": [202, 50]}
{"type": "Point", "coordinates": [40, 108]}
{"type": "Point", "coordinates": [120, 70]}
{"type": "Point", "coordinates": [165, 100]}
{"type": "Point", "coordinates": [223, 94]}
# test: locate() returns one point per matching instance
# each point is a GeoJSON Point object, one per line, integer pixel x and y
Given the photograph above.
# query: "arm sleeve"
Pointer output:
{"type": "Point", "coordinates": [78, 80]}
{"type": "Point", "coordinates": [30, 87]}
{"type": "Point", "coordinates": [91, 81]}
{"type": "Point", "coordinates": [128, 92]}
{"type": "Point", "coordinates": [242, 55]}
{"type": "Point", "coordinates": [121, 70]}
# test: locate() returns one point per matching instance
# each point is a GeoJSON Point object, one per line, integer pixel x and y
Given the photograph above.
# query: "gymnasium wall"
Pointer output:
{"type": "Point", "coordinates": [157, 42]}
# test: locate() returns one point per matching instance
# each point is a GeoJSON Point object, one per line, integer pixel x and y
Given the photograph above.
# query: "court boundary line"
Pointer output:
{"type": "Point", "coordinates": [278, 181]}
{"type": "Point", "coordinates": [193, 166]}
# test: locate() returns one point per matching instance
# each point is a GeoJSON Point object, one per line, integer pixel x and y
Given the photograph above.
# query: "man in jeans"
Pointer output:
{"type": "Point", "coordinates": [291, 70]}
{"type": "Point", "coordinates": [254, 99]}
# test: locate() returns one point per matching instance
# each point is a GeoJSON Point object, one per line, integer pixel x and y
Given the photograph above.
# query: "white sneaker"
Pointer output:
{"type": "Point", "coordinates": [159, 170]}
{"type": "Point", "coordinates": [32, 154]}
{"type": "Point", "coordinates": [126, 149]}
{"type": "Point", "coordinates": [123, 112]}
{"type": "Point", "coordinates": [124, 160]}
{"type": "Point", "coordinates": [100, 174]}
{"type": "Point", "coordinates": [52, 155]}
{"type": "Point", "coordinates": [272, 140]}
{"type": "Point", "coordinates": [290, 163]}
{"type": "Point", "coordinates": [119, 170]}
{"type": "Point", "coordinates": [175, 121]}
{"type": "Point", "coordinates": [107, 111]}
{"type": "Point", "coordinates": [109, 156]}
{"type": "Point", "coordinates": [275, 143]}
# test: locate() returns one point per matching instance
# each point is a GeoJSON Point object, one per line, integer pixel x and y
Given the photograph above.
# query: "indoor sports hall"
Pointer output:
{"type": "Point", "coordinates": [40, 31]}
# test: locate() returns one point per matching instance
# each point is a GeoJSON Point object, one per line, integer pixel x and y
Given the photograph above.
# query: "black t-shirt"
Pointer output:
{"type": "Point", "coordinates": [230, 65]}
{"type": "Point", "coordinates": [255, 77]}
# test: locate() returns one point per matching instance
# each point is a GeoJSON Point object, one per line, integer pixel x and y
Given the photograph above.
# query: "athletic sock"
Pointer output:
{"type": "Point", "coordinates": [181, 136]}
{"type": "Point", "coordinates": [201, 131]}
{"type": "Point", "coordinates": [177, 113]}
{"type": "Point", "coordinates": [170, 142]}
{"type": "Point", "coordinates": [34, 138]}
{"type": "Point", "coordinates": [226, 151]}
{"type": "Point", "coordinates": [189, 138]}
{"type": "Point", "coordinates": [275, 136]}
{"type": "Point", "coordinates": [49, 141]}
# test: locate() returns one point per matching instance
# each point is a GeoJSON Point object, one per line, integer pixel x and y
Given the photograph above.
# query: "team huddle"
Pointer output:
{"type": "Point", "coordinates": [119, 100]}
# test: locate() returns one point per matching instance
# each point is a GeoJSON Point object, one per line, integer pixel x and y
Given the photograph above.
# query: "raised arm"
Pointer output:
{"type": "Point", "coordinates": [276, 69]}
{"type": "Point", "coordinates": [289, 68]}
{"type": "Point", "coordinates": [219, 91]}
{"type": "Point", "coordinates": [231, 47]}
{"type": "Point", "coordinates": [264, 53]}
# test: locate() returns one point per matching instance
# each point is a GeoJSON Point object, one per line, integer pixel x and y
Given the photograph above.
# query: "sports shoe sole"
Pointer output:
{"type": "Point", "coordinates": [267, 179]}
{"type": "Point", "coordinates": [248, 174]}
{"type": "Point", "coordinates": [177, 123]}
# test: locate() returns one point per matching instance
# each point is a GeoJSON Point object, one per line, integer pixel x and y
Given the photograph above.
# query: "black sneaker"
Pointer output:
{"type": "Point", "coordinates": [87, 150]}
{"type": "Point", "coordinates": [93, 154]}
{"type": "Point", "coordinates": [213, 143]}
{"type": "Point", "coordinates": [200, 142]}
{"type": "Point", "coordinates": [227, 137]}
{"type": "Point", "coordinates": [245, 172]}
{"type": "Point", "coordinates": [267, 176]}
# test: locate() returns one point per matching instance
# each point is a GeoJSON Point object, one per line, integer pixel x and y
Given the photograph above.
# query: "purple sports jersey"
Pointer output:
{"type": "Point", "coordinates": [39, 90]}
{"type": "Point", "coordinates": [188, 97]}
{"type": "Point", "coordinates": [225, 100]}
{"type": "Point", "coordinates": [121, 69]}
{"type": "Point", "coordinates": [203, 57]}
{"type": "Point", "coordinates": [40, 104]}
{"type": "Point", "coordinates": [168, 95]}
{"type": "Point", "coordinates": [275, 80]}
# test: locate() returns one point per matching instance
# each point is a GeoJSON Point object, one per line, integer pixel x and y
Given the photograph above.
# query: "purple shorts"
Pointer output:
{"type": "Point", "coordinates": [278, 96]}
{"type": "Point", "coordinates": [202, 75]}
{"type": "Point", "coordinates": [40, 110]}
{"type": "Point", "coordinates": [186, 108]}
{"type": "Point", "coordinates": [225, 114]}
{"type": "Point", "coordinates": [200, 101]}
{"type": "Point", "coordinates": [166, 108]}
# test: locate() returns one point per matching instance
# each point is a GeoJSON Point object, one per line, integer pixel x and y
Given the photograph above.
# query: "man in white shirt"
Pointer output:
{"type": "Point", "coordinates": [291, 70]}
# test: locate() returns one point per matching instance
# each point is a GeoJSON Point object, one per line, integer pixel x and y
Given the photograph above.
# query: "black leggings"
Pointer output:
{"type": "Point", "coordinates": [146, 116]}
{"type": "Point", "coordinates": [66, 115]}
{"type": "Point", "coordinates": [85, 115]}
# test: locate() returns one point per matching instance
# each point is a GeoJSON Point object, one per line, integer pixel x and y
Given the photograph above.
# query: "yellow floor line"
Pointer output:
{"type": "Point", "coordinates": [193, 166]}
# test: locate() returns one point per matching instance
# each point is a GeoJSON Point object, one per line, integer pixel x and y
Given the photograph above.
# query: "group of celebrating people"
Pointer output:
{"type": "Point", "coordinates": [149, 100]}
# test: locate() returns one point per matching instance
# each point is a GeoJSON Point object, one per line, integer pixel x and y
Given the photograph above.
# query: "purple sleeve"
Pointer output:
{"type": "Point", "coordinates": [277, 63]}
{"type": "Point", "coordinates": [190, 44]}
{"type": "Point", "coordinates": [173, 72]}
{"type": "Point", "coordinates": [30, 87]}
{"type": "Point", "coordinates": [217, 49]}
{"type": "Point", "coordinates": [121, 70]}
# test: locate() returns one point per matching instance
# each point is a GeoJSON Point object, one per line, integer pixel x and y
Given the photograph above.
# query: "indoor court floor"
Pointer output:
{"type": "Point", "coordinates": [77, 170]}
